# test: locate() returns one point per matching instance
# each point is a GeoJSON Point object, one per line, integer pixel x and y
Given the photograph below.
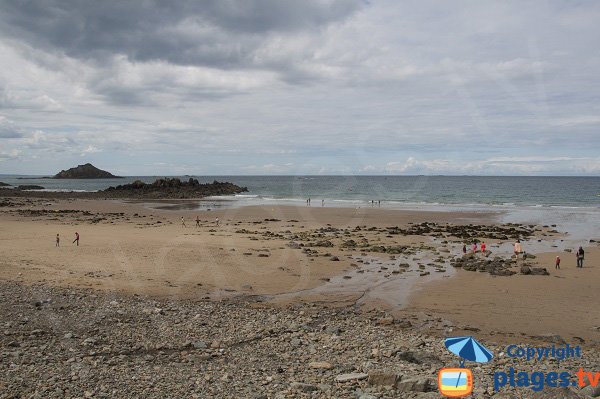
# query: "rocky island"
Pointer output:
{"type": "Point", "coordinates": [163, 188]}
{"type": "Point", "coordinates": [173, 188]}
{"type": "Point", "coordinates": [87, 171]}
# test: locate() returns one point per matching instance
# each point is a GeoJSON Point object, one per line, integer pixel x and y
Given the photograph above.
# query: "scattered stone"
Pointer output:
{"type": "Point", "coordinates": [418, 384]}
{"type": "Point", "coordinates": [303, 387]}
{"type": "Point", "coordinates": [377, 377]}
{"type": "Point", "coordinates": [351, 377]}
{"type": "Point", "coordinates": [320, 365]}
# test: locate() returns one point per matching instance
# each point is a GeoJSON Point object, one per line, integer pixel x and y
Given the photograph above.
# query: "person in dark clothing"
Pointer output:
{"type": "Point", "coordinates": [76, 240]}
{"type": "Point", "coordinates": [580, 256]}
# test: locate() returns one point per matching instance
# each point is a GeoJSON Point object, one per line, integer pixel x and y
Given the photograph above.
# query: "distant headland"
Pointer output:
{"type": "Point", "coordinates": [87, 171]}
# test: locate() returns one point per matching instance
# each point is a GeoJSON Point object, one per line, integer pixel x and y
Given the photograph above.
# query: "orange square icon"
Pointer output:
{"type": "Point", "coordinates": [455, 383]}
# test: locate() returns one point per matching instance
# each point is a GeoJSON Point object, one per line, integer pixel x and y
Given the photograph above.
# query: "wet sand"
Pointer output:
{"type": "Point", "coordinates": [272, 253]}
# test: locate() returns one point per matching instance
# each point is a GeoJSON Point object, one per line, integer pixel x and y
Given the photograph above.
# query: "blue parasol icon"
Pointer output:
{"type": "Point", "coordinates": [468, 349]}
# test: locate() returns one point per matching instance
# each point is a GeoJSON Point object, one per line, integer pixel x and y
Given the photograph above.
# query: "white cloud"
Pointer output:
{"type": "Point", "coordinates": [338, 86]}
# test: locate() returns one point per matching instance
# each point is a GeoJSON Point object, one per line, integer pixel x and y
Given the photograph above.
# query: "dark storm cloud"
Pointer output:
{"type": "Point", "coordinates": [216, 33]}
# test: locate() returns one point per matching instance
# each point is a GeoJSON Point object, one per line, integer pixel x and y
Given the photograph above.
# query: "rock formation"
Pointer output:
{"type": "Point", "coordinates": [87, 171]}
{"type": "Point", "coordinates": [173, 188]}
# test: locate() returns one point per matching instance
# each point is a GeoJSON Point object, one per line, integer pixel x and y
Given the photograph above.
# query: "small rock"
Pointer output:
{"type": "Point", "coordinates": [383, 378]}
{"type": "Point", "coordinates": [320, 365]}
{"type": "Point", "coordinates": [351, 377]}
{"type": "Point", "coordinates": [301, 386]}
{"type": "Point", "coordinates": [417, 384]}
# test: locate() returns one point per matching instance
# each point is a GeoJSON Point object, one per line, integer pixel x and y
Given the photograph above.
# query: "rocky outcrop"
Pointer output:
{"type": "Point", "coordinates": [4, 184]}
{"type": "Point", "coordinates": [495, 267]}
{"type": "Point", "coordinates": [87, 171]}
{"type": "Point", "coordinates": [173, 188]}
{"type": "Point", "coordinates": [30, 187]}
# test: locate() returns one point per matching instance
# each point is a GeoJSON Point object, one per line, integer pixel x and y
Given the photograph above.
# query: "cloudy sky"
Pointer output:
{"type": "Point", "coordinates": [300, 86]}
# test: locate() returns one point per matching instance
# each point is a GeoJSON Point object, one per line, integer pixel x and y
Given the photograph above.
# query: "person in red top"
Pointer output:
{"type": "Point", "coordinates": [483, 247]}
{"type": "Point", "coordinates": [76, 240]}
{"type": "Point", "coordinates": [557, 265]}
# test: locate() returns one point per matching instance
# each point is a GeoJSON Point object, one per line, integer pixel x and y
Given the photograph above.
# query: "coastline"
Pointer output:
{"type": "Point", "coordinates": [131, 248]}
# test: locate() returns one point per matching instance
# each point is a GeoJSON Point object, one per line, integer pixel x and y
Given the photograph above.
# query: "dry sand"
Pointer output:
{"type": "Point", "coordinates": [130, 248]}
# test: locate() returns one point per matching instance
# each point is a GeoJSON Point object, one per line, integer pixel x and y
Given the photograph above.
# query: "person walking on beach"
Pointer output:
{"type": "Point", "coordinates": [57, 240]}
{"type": "Point", "coordinates": [76, 240]}
{"type": "Point", "coordinates": [322, 202]}
{"type": "Point", "coordinates": [197, 221]}
{"type": "Point", "coordinates": [217, 222]}
{"type": "Point", "coordinates": [464, 249]}
{"type": "Point", "coordinates": [580, 254]}
{"type": "Point", "coordinates": [474, 247]}
{"type": "Point", "coordinates": [517, 249]}
{"type": "Point", "coordinates": [557, 264]}
{"type": "Point", "coordinates": [183, 222]}
{"type": "Point", "coordinates": [483, 247]}
{"type": "Point", "coordinates": [308, 201]}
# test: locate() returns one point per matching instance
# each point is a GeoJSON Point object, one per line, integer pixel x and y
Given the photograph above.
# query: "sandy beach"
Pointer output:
{"type": "Point", "coordinates": [310, 293]}
{"type": "Point", "coordinates": [284, 254]}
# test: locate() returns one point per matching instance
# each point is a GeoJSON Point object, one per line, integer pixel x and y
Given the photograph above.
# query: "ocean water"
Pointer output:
{"type": "Point", "coordinates": [570, 203]}
{"type": "Point", "coordinates": [392, 191]}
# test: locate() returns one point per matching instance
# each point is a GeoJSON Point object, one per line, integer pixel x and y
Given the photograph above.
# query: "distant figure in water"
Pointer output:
{"type": "Point", "coordinates": [580, 254]}
{"type": "Point", "coordinates": [464, 249]}
{"type": "Point", "coordinates": [57, 240]}
{"type": "Point", "coordinates": [76, 240]}
{"type": "Point", "coordinates": [474, 247]}
{"type": "Point", "coordinates": [518, 249]}
{"type": "Point", "coordinates": [197, 221]}
{"type": "Point", "coordinates": [483, 247]}
{"type": "Point", "coordinates": [308, 201]}
{"type": "Point", "coordinates": [557, 264]}
{"type": "Point", "coordinates": [379, 203]}
{"type": "Point", "coordinates": [183, 222]}
{"type": "Point", "coordinates": [322, 202]}
{"type": "Point", "coordinates": [217, 221]}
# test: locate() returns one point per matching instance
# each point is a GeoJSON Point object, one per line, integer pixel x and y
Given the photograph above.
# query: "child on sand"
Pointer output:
{"type": "Point", "coordinates": [517, 248]}
{"type": "Point", "coordinates": [464, 249]}
{"type": "Point", "coordinates": [217, 221]}
{"type": "Point", "coordinates": [197, 221]}
{"type": "Point", "coordinates": [483, 247]}
{"type": "Point", "coordinates": [76, 240]}
{"type": "Point", "coordinates": [557, 265]}
{"type": "Point", "coordinates": [57, 240]}
{"type": "Point", "coordinates": [474, 247]}
{"type": "Point", "coordinates": [183, 222]}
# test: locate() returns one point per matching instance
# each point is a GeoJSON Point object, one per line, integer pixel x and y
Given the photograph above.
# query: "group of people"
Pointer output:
{"type": "Point", "coordinates": [75, 241]}
{"type": "Point", "coordinates": [308, 202]}
{"type": "Point", "coordinates": [475, 247]}
{"type": "Point", "coordinates": [518, 250]}
{"type": "Point", "coordinates": [580, 255]}
{"type": "Point", "coordinates": [198, 221]}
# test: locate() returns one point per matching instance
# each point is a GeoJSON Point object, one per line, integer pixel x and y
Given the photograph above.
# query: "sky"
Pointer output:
{"type": "Point", "coordinates": [254, 87]}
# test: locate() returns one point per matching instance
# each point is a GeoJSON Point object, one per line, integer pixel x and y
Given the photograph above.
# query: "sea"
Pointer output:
{"type": "Point", "coordinates": [571, 201]}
